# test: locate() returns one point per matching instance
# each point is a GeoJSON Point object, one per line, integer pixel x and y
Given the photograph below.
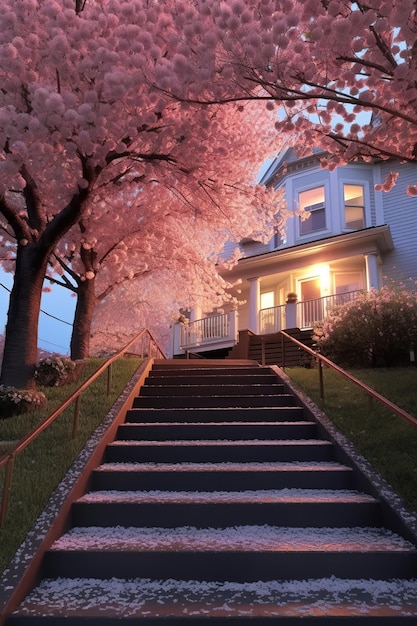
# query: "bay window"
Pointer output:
{"type": "Point", "coordinates": [354, 206]}
{"type": "Point", "coordinates": [312, 201]}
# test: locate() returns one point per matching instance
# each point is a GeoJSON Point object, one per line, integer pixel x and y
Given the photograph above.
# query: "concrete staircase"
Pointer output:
{"type": "Point", "coordinates": [221, 499]}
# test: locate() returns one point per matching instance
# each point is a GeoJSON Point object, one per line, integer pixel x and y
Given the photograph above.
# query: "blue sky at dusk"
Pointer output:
{"type": "Point", "coordinates": [54, 335]}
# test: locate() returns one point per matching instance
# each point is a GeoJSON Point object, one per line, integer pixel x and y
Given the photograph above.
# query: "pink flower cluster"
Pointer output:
{"type": "Point", "coordinates": [378, 327]}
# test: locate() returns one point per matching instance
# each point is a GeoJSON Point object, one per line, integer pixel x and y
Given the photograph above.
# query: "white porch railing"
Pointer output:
{"type": "Point", "coordinates": [222, 330]}
{"type": "Point", "coordinates": [312, 311]}
{"type": "Point", "coordinates": [208, 330]}
{"type": "Point", "coordinates": [273, 319]}
{"type": "Point", "coordinates": [308, 312]}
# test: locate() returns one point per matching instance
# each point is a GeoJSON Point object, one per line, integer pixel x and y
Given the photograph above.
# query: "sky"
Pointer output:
{"type": "Point", "coordinates": [54, 335]}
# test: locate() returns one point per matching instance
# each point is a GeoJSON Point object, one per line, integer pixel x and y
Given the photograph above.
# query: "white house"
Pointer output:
{"type": "Point", "coordinates": [355, 238]}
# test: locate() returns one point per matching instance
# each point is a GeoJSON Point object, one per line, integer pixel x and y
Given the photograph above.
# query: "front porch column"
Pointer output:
{"type": "Point", "coordinates": [175, 348]}
{"type": "Point", "coordinates": [254, 304]}
{"type": "Point", "coordinates": [196, 314]}
{"type": "Point", "coordinates": [372, 270]}
{"type": "Point", "coordinates": [234, 325]}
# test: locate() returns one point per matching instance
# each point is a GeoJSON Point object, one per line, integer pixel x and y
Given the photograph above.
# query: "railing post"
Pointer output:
{"type": "Point", "coordinates": [263, 350]}
{"type": "Point", "coordinates": [6, 489]}
{"type": "Point", "coordinates": [283, 350]}
{"type": "Point", "coordinates": [321, 380]}
{"type": "Point", "coordinates": [233, 325]}
{"type": "Point", "coordinates": [76, 416]}
{"type": "Point", "coordinates": [109, 378]}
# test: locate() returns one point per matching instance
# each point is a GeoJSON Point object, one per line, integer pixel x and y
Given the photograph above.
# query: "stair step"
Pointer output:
{"type": "Point", "coordinates": [207, 370]}
{"type": "Point", "coordinates": [213, 401]}
{"type": "Point", "coordinates": [328, 601]}
{"type": "Point", "coordinates": [213, 376]}
{"type": "Point", "coordinates": [217, 430]}
{"type": "Point", "coordinates": [226, 476]}
{"type": "Point", "coordinates": [241, 554]}
{"type": "Point", "coordinates": [210, 364]}
{"type": "Point", "coordinates": [236, 538]}
{"type": "Point", "coordinates": [220, 509]}
{"type": "Point", "coordinates": [175, 451]}
{"type": "Point", "coordinates": [264, 414]}
{"type": "Point", "coordinates": [155, 388]}
{"type": "Point", "coordinates": [241, 566]}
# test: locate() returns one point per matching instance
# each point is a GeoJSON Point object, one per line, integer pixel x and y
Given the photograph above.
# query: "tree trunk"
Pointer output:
{"type": "Point", "coordinates": [21, 339]}
{"type": "Point", "coordinates": [84, 311]}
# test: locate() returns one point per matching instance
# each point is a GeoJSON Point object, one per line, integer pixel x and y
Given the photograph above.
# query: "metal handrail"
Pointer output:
{"type": "Point", "coordinates": [371, 392]}
{"type": "Point", "coordinates": [7, 460]}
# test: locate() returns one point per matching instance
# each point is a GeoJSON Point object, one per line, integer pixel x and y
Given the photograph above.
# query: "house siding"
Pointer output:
{"type": "Point", "coordinates": [325, 262]}
{"type": "Point", "coordinates": [400, 212]}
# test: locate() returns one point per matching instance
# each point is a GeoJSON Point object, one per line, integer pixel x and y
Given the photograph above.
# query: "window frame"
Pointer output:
{"type": "Point", "coordinates": [363, 206]}
{"type": "Point", "coordinates": [318, 208]}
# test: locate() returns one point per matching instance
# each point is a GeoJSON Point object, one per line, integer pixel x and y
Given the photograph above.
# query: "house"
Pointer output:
{"type": "Point", "coordinates": [354, 238]}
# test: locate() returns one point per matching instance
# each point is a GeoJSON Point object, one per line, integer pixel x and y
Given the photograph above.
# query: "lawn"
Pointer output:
{"type": "Point", "coordinates": [42, 465]}
{"type": "Point", "coordinates": [384, 439]}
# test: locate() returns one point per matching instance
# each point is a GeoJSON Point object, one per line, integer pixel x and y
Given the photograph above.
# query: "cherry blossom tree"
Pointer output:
{"type": "Point", "coordinates": [158, 235]}
{"type": "Point", "coordinates": [97, 96]}
{"type": "Point", "coordinates": [341, 74]}
{"type": "Point", "coordinates": [156, 301]}
{"type": "Point", "coordinates": [80, 120]}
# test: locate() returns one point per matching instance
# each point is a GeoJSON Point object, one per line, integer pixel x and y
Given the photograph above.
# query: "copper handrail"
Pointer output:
{"type": "Point", "coordinates": [7, 460]}
{"type": "Point", "coordinates": [371, 392]}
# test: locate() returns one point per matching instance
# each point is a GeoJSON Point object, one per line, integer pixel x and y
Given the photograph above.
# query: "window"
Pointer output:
{"type": "Point", "coordinates": [313, 202]}
{"type": "Point", "coordinates": [345, 286]}
{"type": "Point", "coordinates": [267, 300]}
{"type": "Point", "coordinates": [354, 206]}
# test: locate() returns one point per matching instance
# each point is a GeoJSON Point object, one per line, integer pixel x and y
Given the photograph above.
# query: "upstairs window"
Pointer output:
{"type": "Point", "coordinates": [313, 202]}
{"type": "Point", "coordinates": [354, 206]}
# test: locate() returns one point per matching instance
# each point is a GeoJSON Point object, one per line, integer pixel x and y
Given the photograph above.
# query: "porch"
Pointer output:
{"type": "Point", "coordinates": [221, 332]}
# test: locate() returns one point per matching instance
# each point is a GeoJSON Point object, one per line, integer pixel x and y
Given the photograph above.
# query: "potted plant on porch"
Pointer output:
{"type": "Point", "coordinates": [291, 297]}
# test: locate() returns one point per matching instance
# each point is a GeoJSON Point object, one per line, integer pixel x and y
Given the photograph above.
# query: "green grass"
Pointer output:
{"type": "Point", "coordinates": [42, 465]}
{"type": "Point", "coordinates": [384, 439]}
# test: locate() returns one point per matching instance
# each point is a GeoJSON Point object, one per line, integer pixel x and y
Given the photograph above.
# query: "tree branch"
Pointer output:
{"type": "Point", "coordinates": [382, 46]}
{"type": "Point", "coordinates": [34, 207]}
{"type": "Point", "coordinates": [73, 211]}
{"type": "Point", "coordinates": [66, 267]}
{"type": "Point", "coordinates": [113, 286]}
{"type": "Point", "coordinates": [377, 151]}
{"type": "Point", "coordinates": [19, 225]}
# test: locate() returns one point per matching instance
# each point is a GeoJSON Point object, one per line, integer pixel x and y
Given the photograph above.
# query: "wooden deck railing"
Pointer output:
{"type": "Point", "coordinates": [143, 344]}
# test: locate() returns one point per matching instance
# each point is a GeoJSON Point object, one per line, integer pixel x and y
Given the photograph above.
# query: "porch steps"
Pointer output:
{"type": "Point", "coordinates": [198, 515]}
{"type": "Point", "coordinates": [269, 349]}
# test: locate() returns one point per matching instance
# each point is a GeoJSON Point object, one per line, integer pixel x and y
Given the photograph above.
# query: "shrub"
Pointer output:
{"type": "Point", "coordinates": [16, 401]}
{"type": "Point", "coordinates": [377, 328]}
{"type": "Point", "coordinates": [54, 371]}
